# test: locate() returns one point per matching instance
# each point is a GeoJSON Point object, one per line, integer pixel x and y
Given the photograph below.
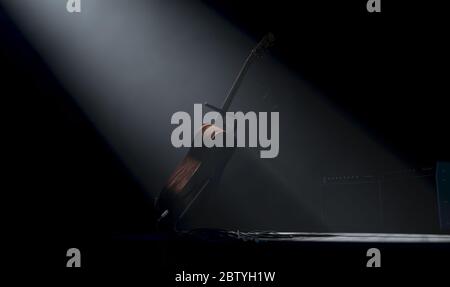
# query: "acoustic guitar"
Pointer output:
{"type": "Point", "coordinates": [202, 167]}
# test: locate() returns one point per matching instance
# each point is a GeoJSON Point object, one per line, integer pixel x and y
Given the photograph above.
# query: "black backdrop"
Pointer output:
{"type": "Point", "coordinates": [58, 158]}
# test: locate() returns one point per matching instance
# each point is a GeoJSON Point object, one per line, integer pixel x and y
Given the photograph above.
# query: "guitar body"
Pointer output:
{"type": "Point", "coordinates": [200, 169]}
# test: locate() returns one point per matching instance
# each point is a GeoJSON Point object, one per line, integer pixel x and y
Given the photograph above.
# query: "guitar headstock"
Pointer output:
{"type": "Point", "coordinates": [266, 42]}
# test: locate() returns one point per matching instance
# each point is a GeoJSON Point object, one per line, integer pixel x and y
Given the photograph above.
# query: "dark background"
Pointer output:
{"type": "Point", "coordinates": [386, 72]}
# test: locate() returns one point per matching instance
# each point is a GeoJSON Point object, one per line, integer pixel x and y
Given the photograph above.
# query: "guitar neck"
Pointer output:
{"type": "Point", "coordinates": [237, 82]}
{"type": "Point", "coordinates": [266, 42]}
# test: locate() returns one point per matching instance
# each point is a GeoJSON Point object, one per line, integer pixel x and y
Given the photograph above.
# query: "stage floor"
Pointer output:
{"type": "Point", "coordinates": [321, 237]}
